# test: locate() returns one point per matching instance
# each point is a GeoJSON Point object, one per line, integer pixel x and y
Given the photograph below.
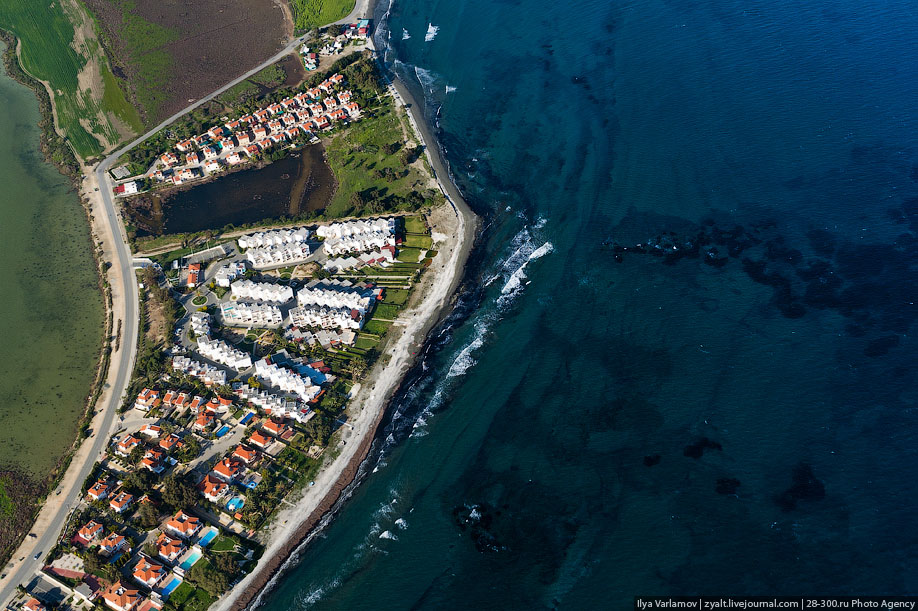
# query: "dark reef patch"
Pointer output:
{"type": "Point", "coordinates": [727, 485]}
{"type": "Point", "coordinates": [697, 449]}
{"type": "Point", "coordinates": [652, 460]}
{"type": "Point", "coordinates": [805, 487]}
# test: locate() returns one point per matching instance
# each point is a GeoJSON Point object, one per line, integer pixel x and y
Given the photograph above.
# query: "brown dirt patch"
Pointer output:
{"type": "Point", "coordinates": [209, 43]}
{"type": "Point", "coordinates": [292, 66]}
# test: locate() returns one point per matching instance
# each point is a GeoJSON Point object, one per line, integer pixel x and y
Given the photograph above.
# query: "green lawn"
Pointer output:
{"type": "Point", "coordinates": [409, 255]}
{"type": "Point", "coordinates": [222, 544]}
{"type": "Point", "coordinates": [386, 310]}
{"type": "Point", "coordinates": [308, 14]}
{"type": "Point", "coordinates": [365, 342]}
{"type": "Point", "coordinates": [376, 327]}
{"type": "Point", "coordinates": [47, 53]}
{"type": "Point", "coordinates": [396, 296]}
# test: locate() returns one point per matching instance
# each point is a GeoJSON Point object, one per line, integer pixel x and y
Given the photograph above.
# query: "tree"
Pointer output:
{"type": "Point", "coordinates": [178, 493]}
{"type": "Point", "coordinates": [226, 564]}
{"type": "Point", "coordinates": [190, 449]}
{"type": "Point", "coordinates": [319, 428]}
{"type": "Point", "coordinates": [209, 578]}
{"type": "Point", "coordinates": [148, 516]}
{"type": "Point", "coordinates": [138, 480]}
{"type": "Point", "coordinates": [92, 563]}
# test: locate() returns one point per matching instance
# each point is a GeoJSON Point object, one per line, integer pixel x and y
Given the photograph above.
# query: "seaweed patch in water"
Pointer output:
{"type": "Point", "coordinates": [477, 521]}
{"type": "Point", "coordinates": [650, 461]}
{"type": "Point", "coordinates": [805, 487]}
{"type": "Point", "coordinates": [727, 485]}
{"type": "Point", "coordinates": [697, 449]}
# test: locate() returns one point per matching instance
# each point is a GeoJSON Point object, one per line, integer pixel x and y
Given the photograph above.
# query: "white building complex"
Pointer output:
{"type": "Point", "coordinates": [383, 257]}
{"type": "Point", "coordinates": [221, 352]}
{"type": "Point", "coordinates": [251, 315]}
{"type": "Point", "coordinates": [286, 380]}
{"type": "Point", "coordinates": [266, 257]}
{"type": "Point", "coordinates": [276, 248]}
{"type": "Point", "coordinates": [326, 318]}
{"type": "Point", "coordinates": [339, 294]}
{"type": "Point", "coordinates": [277, 405]}
{"type": "Point", "coordinates": [279, 237]}
{"type": "Point", "coordinates": [200, 324]}
{"type": "Point", "coordinates": [357, 236]}
{"type": "Point", "coordinates": [228, 273]}
{"type": "Point", "coordinates": [261, 291]}
{"type": "Point", "coordinates": [325, 337]}
{"type": "Point", "coordinates": [211, 376]}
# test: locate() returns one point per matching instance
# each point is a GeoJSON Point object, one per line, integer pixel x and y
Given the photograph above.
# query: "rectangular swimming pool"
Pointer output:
{"type": "Point", "coordinates": [208, 536]}
{"type": "Point", "coordinates": [191, 558]}
{"type": "Point", "coordinates": [247, 417]}
{"type": "Point", "coordinates": [170, 587]}
{"type": "Point", "coordinates": [222, 430]}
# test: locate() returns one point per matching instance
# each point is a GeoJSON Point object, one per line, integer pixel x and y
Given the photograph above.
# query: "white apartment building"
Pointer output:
{"type": "Point", "coordinates": [338, 294]}
{"type": "Point", "coordinates": [211, 376]}
{"type": "Point", "coordinates": [278, 237]}
{"type": "Point", "coordinates": [326, 318]}
{"type": "Point", "coordinates": [200, 324]}
{"type": "Point", "coordinates": [226, 274]}
{"type": "Point", "coordinates": [276, 404]}
{"type": "Point", "coordinates": [221, 352]}
{"type": "Point", "coordinates": [324, 337]}
{"type": "Point", "coordinates": [261, 291]}
{"type": "Point", "coordinates": [383, 258]}
{"type": "Point", "coordinates": [236, 314]}
{"type": "Point", "coordinates": [278, 256]}
{"type": "Point", "coordinates": [286, 380]}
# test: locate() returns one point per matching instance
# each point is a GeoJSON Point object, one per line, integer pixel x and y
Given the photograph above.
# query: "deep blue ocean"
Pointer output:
{"type": "Point", "coordinates": [682, 361]}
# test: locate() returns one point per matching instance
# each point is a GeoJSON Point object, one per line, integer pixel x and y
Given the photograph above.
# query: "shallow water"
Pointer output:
{"type": "Point", "coordinates": [738, 420]}
{"type": "Point", "coordinates": [51, 320]}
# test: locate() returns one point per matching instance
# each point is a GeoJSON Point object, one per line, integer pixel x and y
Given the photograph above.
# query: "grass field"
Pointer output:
{"type": "Point", "coordinates": [47, 33]}
{"type": "Point", "coordinates": [358, 158]}
{"type": "Point", "coordinates": [308, 14]}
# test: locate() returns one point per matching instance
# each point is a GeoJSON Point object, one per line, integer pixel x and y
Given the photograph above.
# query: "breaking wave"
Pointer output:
{"type": "Point", "coordinates": [405, 34]}
{"type": "Point", "coordinates": [431, 32]}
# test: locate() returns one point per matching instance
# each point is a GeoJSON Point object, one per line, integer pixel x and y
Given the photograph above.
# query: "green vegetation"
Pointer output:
{"type": "Point", "coordinates": [308, 14]}
{"type": "Point", "coordinates": [372, 176]}
{"type": "Point", "coordinates": [47, 34]}
{"type": "Point", "coordinates": [248, 90]}
{"type": "Point", "coordinates": [188, 598]}
{"type": "Point", "coordinates": [7, 508]}
{"type": "Point", "coordinates": [114, 99]}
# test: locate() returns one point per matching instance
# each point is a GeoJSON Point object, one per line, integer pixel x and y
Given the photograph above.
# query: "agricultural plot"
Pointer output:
{"type": "Point", "coordinates": [59, 47]}
{"type": "Point", "coordinates": [308, 14]}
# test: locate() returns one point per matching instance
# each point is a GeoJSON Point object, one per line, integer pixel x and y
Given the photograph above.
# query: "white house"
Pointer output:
{"type": "Point", "coordinates": [221, 352]}
{"type": "Point", "coordinates": [261, 291]}
{"type": "Point", "coordinates": [240, 314]}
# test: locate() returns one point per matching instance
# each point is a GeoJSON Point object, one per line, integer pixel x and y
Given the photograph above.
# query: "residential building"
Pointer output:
{"type": "Point", "coordinates": [227, 469]}
{"type": "Point", "coordinates": [120, 502]}
{"type": "Point", "coordinates": [172, 441]}
{"type": "Point", "coordinates": [153, 460]}
{"type": "Point", "coordinates": [147, 399]}
{"type": "Point", "coordinates": [221, 352]}
{"type": "Point", "coordinates": [195, 274]}
{"type": "Point", "coordinates": [183, 525]}
{"type": "Point", "coordinates": [246, 455]}
{"type": "Point", "coordinates": [203, 422]}
{"type": "Point", "coordinates": [99, 490]}
{"type": "Point", "coordinates": [261, 291]}
{"type": "Point", "coordinates": [112, 543]}
{"type": "Point", "coordinates": [33, 604]}
{"type": "Point", "coordinates": [275, 427]}
{"type": "Point", "coordinates": [89, 532]}
{"type": "Point", "coordinates": [211, 376]}
{"type": "Point", "coordinates": [148, 573]}
{"type": "Point", "coordinates": [260, 440]}
{"type": "Point", "coordinates": [212, 166]}
{"type": "Point", "coordinates": [200, 323]}
{"type": "Point", "coordinates": [226, 274]}
{"type": "Point", "coordinates": [213, 488]}
{"type": "Point", "coordinates": [150, 430]}
{"type": "Point", "coordinates": [119, 597]}
{"type": "Point", "coordinates": [184, 145]}
{"type": "Point", "coordinates": [251, 315]}
{"type": "Point", "coordinates": [126, 445]}
{"type": "Point", "coordinates": [169, 548]}
{"type": "Point", "coordinates": [286, 380]}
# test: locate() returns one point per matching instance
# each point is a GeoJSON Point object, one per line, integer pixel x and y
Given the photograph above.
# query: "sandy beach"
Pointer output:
{"type": "Point", "coordinates": [301, 515]}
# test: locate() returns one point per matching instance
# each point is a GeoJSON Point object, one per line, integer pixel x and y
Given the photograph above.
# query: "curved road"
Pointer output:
{"type": "Point", "coordinates": [122, 363]}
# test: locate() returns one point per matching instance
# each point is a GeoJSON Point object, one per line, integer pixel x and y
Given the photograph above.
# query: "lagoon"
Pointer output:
{"type": "Point", "coordinates": [52, 315]}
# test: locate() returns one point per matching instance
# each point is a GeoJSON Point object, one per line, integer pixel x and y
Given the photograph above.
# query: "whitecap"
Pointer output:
{"type": "Point", "coordinates": [450, 89]}
{"type": "Point", "coordinates": [405, 34]}
{"type": "Point", "coordinates": [386, 534]}
{"type": "Point", "coordinates": [431, 32]}
{"type": "Point", "coordinates": [402, 523]}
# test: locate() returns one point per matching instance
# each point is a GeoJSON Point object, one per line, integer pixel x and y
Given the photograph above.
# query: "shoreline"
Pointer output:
{"type": "Point", "coordinates": [294, 526]}
{"type": "Point", "coordinates": [71, 459]}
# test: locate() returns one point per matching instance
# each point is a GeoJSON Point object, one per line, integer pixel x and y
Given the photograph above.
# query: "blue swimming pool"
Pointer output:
{"type": "Point", "coordinates": [247, 417]}
{"type": "Point", "coordinates": [208, 536]}
{"type": "Point", "coordinates": [235, 504]}
{"type": "Point", "coordinates": [222, 430]}
{"type": "Point", "coordinates": [192, 557]}
{"type": "Point", "coordinates": [170, 587]}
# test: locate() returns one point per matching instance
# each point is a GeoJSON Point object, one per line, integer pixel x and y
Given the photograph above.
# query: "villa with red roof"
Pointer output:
{"type": "Point", "coordinates": [33, 604]}
{"type": "Point", "coordinates": [245, 454]}
{"type": "Point", "coordinates": [112, 543]}
{"type": "Point", "coordinates": [170, 442]}
{"type": "Point", "coordinates": [126, 445]}
{"type": "Point", "coordinates": [196, 404]}
{"type": "Point", "coordinates": [260, 439]}
{"type": "Point", "coordinates": [169, 548]}
{"type": "Point", "coordinates": [153, 460]}
{"type": "Point", "coordinates": [148, 573]}
{"type": "Point", "coordinates": [89, 532]}
{"type": "Point", "coordinates": [120, 502]}
{"type": "Point", "coordinates": [227, 469]}
{"type": "Point", "coordinates": [99, 490]}
{"type": "Point", "coordinates": [121, 598]}
{"type": "Point", "coordinates": [213, 488]}
{"type": "Point", "coordinates": [183, 525]}
{"type": "Point", "coordinates": [147, 399]}
{"type": "Point", "coordinates": [203, 421]}
{"type": "Point", "coordinates": [275, 427]}
{"type": "Point", "coordinates": [150, 430]}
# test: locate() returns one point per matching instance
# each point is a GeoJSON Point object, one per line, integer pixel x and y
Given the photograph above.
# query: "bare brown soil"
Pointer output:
{"type": "Point", "coordinates": [212, 42]}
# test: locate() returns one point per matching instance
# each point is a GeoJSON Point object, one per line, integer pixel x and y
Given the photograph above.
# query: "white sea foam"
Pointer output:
{"type": "Point", "coordinates": [386, 534]}
{"type": "Point", "coordinates": [514, 283]}
{"type": "Point", "coordinates": [431, 32]}
{"type": "Point", "coordinates": [402, 523]}
{"type": "Point", "coordinates": [450, 89]}
{"type": "Point", "coordinates": [405, 34]}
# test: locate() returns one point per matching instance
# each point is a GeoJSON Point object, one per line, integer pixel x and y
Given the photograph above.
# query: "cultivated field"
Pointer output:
{"type": "Point", "coordinates": [308, 14]}
{"type": "Point", "coordinates": [60, 48]}
{"type": "Point", "coordinates": [173, 52]}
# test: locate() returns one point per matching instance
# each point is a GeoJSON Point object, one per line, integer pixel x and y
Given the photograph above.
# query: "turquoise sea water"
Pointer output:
{"type": "Point", "coordinates": [741, 420]}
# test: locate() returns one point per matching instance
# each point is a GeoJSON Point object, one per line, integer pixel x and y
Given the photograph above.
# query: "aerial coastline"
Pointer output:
{"type": "Point", "coordinates": [454, 227]}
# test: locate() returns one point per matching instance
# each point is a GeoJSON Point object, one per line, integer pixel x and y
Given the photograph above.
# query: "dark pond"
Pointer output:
{"type": "Point", "coordinates": [299, 183]}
